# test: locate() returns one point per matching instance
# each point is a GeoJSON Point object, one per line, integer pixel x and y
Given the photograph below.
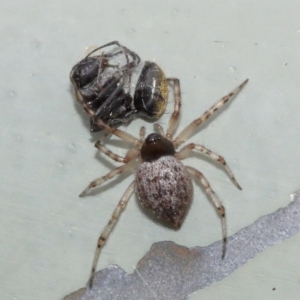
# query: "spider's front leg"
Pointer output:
{"type": "Point", "coordinates": [131, 154]}
{"type": "Point", "coordinates": [127, 158]}
{"type": "Point", "coordinates": [175, 115]}
{"type": "Point", "coordinates": [187, 131]}
{"type": "Point", "coordinates": [109, 227]}
{"type": "Point", "coordinates": [185, 152]}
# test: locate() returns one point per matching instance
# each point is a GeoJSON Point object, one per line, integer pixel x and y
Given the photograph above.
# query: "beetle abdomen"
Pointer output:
{"type": "Point", "coordinates": [151, 92]}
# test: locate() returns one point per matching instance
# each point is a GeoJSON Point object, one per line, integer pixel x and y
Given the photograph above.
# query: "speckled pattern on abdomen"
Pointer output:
{"type": "Point", "coordinates": [164, 187]}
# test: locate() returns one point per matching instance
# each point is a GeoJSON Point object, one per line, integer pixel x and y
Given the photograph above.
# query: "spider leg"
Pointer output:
{"type": "Point", "coordinates": [108, 176]}
{"type": "Point", "coordinates": [184, 152]}
{"type": "Point", "coordinates": [159, 129]}
{"type": "Point", "coordinates": [132, 153]}
{"type": "Point", "coordinates": [175, 115]}
{"type": "Point", "coordinates": [128, 157]}
{"type": "Point", "coordinates": [215, 200]}
{"type": "Point", "coordinates": [142, 134]}
{"type": "Point", "coordinates": [108, 228]}
{"type": "Point", "coordinates": [186, 132]}
{"type": "Point", "coordinates": [120, 133]}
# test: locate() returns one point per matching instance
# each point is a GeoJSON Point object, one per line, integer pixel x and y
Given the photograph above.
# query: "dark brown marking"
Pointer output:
{"type": "Point", "coordinates": [221, 160]}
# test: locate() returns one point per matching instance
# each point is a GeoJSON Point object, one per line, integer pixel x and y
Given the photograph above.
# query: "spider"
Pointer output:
{"type": "Point", "coordinates": [103, 88]}
{"type": "Point", "coordinates": [162, 183]}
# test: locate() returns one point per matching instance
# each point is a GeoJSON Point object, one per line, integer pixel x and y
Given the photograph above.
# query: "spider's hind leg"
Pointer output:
{"type": "Point", "coordinates": [216, 202]}
{"type": "Point", "coordinates": [109, 227]}
{"type": "Point", "coordinates": [108, 176]}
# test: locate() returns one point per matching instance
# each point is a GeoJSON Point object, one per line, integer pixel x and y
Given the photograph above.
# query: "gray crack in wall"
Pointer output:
{"type": "Point", "coordinates": [170, 271]}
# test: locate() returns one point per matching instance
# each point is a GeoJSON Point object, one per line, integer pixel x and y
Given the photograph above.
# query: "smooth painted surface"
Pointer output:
{"type": "Point", "coordinates": [48, 234]}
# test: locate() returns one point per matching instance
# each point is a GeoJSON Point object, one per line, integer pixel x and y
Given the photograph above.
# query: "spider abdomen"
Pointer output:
{"type": "Point", "coordinates": [164, 187]}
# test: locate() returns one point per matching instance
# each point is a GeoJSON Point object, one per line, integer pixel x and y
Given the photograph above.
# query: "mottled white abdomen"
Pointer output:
{"type": "Point", "coordinates": [164, 187]}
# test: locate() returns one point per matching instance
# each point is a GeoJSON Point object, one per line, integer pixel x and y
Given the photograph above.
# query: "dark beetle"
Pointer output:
{"type": "Point", "coordinates": [103, 88]}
